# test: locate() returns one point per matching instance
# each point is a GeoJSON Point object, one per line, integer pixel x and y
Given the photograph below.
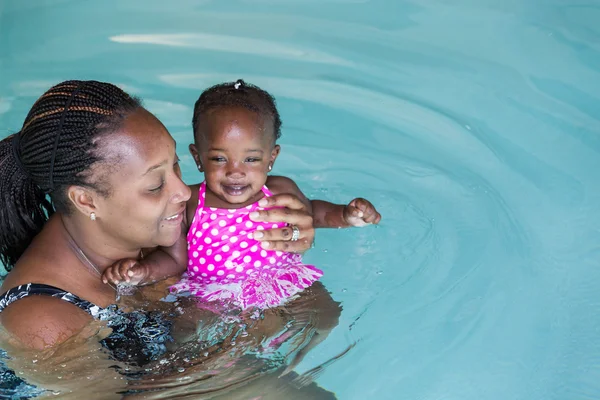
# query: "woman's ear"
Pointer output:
{"type": "Point", "coordinates": [83, 199]}
{"type": "Point", "coordinates": [196, 156]}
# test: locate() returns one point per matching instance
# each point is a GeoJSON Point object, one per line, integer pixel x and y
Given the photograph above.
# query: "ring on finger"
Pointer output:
{"type": "Point", "coordinates": [295, 233]}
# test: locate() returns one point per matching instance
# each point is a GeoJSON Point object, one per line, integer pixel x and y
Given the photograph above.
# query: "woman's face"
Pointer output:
{"type": "Point", "coordinates": [147, 198]}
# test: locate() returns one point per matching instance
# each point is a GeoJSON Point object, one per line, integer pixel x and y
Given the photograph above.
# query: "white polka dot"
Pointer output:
{"type": "Point", "coordinates": [228, 264]}
{"type": "Point", "coordinates": [203, 194]}
{"type": "Point", "coordinates": [207, 240]}
{"type": "Point", "coordinates": [242, 232]}
{"type": "Point", "coordinates": [275, 226]}
{"type": "Point", "coordinates": [202, 260]}
{"type": "Point", "coordinates": [279, 264]}
{"type": "Point", "coordinates": [190, 262]}
{"type": "Point", "coordinates": [213, 278]}
{"type": "Point", "coordinates": [229, 215]}
{"type": "Point", "coordinates": [239, 268]}
{"type": "Point", "coordinates": [247, 259]}
{"type": "Point", "coordinates": [250, 271]}
{"type": "Point", "coordinates": [272, 260]}
{"type": "Point", "coordinates": [198, 234]}
{"type": "Point", "coordinates": [263, 253]}
{"type": "Point", "coordinates": [218, 257]}
{"type": "Point", "coordinates": [257, 263]}
{"type": "Point", "coordinates": [230, 276]}
{"type": "Point", "coordinates": [220, 272]}
{"type": "Point", "coordinates": [216, 244]}
{"type": "Point", "coordinates": [235, 254]}
{"type": "Point", "coordinates": [260, 228]}
{"type": "Point", "coordinates": [225, 248]}
{"type": "Point", "coordinates": [232, 229]}
{"type": "Point", "coordinates": [249, 235]}
{"type": "Point", "coordinates": [213, 216]}
{"type": "Point", "coordinates": [249, 224]}
{"type": "Point", "coordinates": [212, 209]}
{"type": "Point", "coordinates": [194, 241]}
{"type": "Point", "coordinates": [222, 223]}
{"type": "Point", "coordinates": [233, 239]}
{"type": "Point", "coordinates": [214, 232]}
{"type": "Point", "coordinates": [249, 207]}
{"type": "Point", "coordinates": [204, 274]}
{"type": "Point", "coordinates": [200, 247]}
{"type": "Point", "coordinates": [266, 266]}
{"type": "Point", "coordinates": [208, 252]}
{"type": "Point", "coordinates": [238, 220]}
{"type": "Point", "coordinates": [243, 245]}
{"type": "Point", "coordinates": [224, 237]}
{"type": "Point", "coordinates": [205, 225]}
{"type": "Point", "coordinates": [253, 248]}
{"type": "Point", "coordinates": [210, 267]}
{"type": "Point", "coordinates": [196, 269]}
{"type": "Point", "coordinates": [278, 253]}
{"type": "Point", "coordinates": [195, 254]}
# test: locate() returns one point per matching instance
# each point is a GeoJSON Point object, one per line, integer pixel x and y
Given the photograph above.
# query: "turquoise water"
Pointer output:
{"type": "Point", "coordinates": [474, 126]}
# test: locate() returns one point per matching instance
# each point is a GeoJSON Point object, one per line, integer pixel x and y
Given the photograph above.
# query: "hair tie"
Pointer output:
{"type": "Point", "coordinates": [238, 84]}
{"type": "Point", "coordinates": [16, 143]}
{"type": "Point", "coordinates": [60, 129]}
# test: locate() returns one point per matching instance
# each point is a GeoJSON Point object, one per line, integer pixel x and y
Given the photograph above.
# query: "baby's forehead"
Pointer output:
{"type": "Point", "coordinates": [219, 121]}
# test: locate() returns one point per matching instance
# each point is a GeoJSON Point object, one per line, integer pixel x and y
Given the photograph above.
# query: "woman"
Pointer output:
{"type": "Point", "coordinates": [111, 172]}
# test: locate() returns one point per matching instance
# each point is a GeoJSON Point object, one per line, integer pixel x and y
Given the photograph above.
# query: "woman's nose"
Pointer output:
{"type": "Point", "coordinates": [182, 192]}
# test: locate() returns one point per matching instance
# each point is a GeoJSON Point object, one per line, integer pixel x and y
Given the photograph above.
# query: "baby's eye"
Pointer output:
{"type": "Point", "coordinates": [252, 159]}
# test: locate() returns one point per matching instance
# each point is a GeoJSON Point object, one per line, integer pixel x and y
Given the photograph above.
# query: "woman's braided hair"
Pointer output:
{"type": "Point", "coordinates": [54, 150]}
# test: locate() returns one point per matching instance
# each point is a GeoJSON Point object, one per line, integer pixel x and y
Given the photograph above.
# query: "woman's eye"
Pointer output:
{"type": "Point", "coordinates": [158, 188]}
{"type": "Point", "coordinates": [217, 159]}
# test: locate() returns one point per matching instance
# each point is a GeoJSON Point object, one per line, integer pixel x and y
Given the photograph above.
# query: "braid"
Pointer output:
{"type": "Point", "coordinates": [64, 136]}
{"type": "Point", "coordinates": [238, 94]}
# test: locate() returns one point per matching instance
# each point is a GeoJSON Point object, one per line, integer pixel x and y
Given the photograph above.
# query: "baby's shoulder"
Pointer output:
{"type": "Point", "coordinates": [281, 184]}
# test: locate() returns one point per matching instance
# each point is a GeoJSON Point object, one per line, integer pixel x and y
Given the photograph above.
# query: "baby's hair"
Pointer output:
{"type": "Point", "coordinates": [238, 94]}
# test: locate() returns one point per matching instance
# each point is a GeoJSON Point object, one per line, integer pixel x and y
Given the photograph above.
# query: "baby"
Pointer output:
{"type": "Point", "coordinates": [236, 127]}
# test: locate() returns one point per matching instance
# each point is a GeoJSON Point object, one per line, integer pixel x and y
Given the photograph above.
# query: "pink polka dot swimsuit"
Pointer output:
{"type": "Point", "coordinates": [226, 264]}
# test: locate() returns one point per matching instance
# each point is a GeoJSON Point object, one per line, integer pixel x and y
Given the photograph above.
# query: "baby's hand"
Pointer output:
{"type": "Point", "coordinates": [360, 212]}
{"type": "Point", "coordinates": [126, 270]}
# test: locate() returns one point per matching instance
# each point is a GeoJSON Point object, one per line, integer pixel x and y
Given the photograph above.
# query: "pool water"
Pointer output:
{"type": "Point", "coordinates": [473, 126]}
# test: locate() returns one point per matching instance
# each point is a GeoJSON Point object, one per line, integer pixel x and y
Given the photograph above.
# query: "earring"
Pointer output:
{"type": "Point", "coordinates": [270, 167]}
{"type": "Point", "coordinates": [93, 216]}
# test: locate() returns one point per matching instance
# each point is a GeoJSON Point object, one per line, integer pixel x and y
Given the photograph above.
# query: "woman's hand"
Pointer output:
{"type": "Point", "coordinates": [292, 211]}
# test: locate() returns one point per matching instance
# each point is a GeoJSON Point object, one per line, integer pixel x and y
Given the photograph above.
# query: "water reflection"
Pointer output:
{"type": "Point", "coordinates": [211, 355]}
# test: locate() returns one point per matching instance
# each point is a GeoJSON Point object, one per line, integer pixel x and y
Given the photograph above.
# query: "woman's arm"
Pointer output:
{"type": "Point", "coordinates": [39, 322]}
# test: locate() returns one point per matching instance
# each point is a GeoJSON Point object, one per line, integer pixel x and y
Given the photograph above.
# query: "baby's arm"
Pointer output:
{"type": "Point", "coordinates": [358, 212]}
{"type": "Point", "coordinates": [161, 262]}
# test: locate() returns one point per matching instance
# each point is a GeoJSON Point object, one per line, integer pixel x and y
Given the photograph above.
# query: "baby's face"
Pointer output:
{"type": "Point", "coordinates": [235, 148]}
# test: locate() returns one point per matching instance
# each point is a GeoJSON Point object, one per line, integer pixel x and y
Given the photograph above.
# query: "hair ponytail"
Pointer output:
{"type": "Point", "coordinates": [24, 207]}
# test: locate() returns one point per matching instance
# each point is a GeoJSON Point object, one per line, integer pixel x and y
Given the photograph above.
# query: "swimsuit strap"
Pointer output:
{"type": "Point", "coordinates": [39, 289]}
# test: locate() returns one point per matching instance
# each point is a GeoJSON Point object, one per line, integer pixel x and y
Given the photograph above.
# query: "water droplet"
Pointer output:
{"type": "Point", "coordinates": [344, 290]}
{"type": "Point", "coordinates": [181, 369]}
{"type": "Point", "coordinates": [379, 272]}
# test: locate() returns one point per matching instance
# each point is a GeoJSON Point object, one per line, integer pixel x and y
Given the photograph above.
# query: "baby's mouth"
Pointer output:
{"type": "Point", "coordinates": [235, 190]}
